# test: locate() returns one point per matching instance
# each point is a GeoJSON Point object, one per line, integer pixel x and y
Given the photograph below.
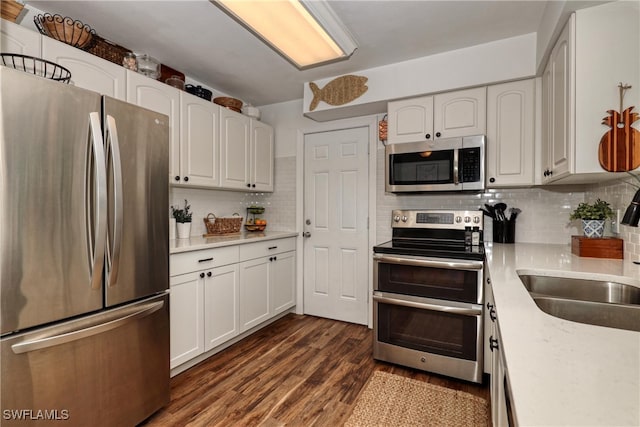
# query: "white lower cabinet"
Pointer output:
{"type": "Point", "coordinates": [185, 312]}
{"type": "Point", "coordinates": [217, 294]}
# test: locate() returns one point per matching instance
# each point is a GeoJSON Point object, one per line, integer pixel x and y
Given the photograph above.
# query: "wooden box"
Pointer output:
{"type": "Point", "coordinates": [605, 247]}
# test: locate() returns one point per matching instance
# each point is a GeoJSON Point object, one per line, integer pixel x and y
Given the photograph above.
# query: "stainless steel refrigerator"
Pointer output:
{"type": "Point", "coordinates": [84, 256]}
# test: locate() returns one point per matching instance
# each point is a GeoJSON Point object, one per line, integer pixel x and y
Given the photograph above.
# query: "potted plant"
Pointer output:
{"type": "Point", "coordinates": [593, 217]}
{"type": "Point", "coordinates": [183, 220]}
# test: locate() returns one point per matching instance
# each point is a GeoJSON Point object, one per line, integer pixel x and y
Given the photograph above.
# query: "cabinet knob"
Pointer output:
{"type": "Point", "coordinates": [177, 178]}
{"type": "Point", "coordinates": [186, 179]}
{"type": "Point", "coordinates": [209, 274]}
{"type": "Point", "coordinates": [428, 136]}
{"type": "Point", "coordinates": [275, 258]}
{"type": "Point", "coordinates": [270, 258]}
{"type": "Point", "coordinates": [492, 314]}
{"type": "Point", "coordinates": [492, 180]}
{"type": "Point", "coordinates": [550, 173]}
{"type": "Point", "coordinates": [546, 172]}
{"type": "Point", "coordinates": [248, 185]}
{"type": "Point", "coordinates": [201, 275]}
{"type": "Point", "coordinates": [489, 306]}
{"type": "Point", "coordinates": [253, 185]}
{"type": "Point", "coordinates": [489, 280]}
{"type": "Point", "coordinates": [438, 134]}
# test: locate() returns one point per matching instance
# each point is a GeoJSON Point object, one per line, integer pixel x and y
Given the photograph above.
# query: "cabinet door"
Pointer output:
{"type": "Point", "coordinates": [283, 278]}
{"type": "Point", "coordinates": [18, 39]}
{"type": "Point", "coordinates": [186, 318]}
{"type": "Point", "coordinates": [261, 156]}
{"type": "Point", "coordinates": [234, 150]}
{"type": "Point", "coordinates": [157, 96]}
{"type": "Point", "coordinates": [221, 296]}
{"type": "Point", "coordinates": [562, 102]}
{"type": "Point", "coordinates": [254, 292]}
{"type": "Point", "coordinates": [87, 71]}
{"type": "Point", "coordinates": [510, 134]}
{"type": "Point", "coordinates": [547, 112]}
{"type": "Point", "coordinates": [410, 120]}
{"type": "Point", "coordinates": [199, 149]}
{"type": "Point", "coordinates": [460, 113]}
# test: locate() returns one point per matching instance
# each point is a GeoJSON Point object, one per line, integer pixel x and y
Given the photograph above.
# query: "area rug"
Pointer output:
{"type": "Point", "coordinates": [390, 400]}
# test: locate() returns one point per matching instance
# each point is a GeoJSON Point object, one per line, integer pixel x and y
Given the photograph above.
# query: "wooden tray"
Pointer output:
{"type": "Point", "coordinates": [605, 247]}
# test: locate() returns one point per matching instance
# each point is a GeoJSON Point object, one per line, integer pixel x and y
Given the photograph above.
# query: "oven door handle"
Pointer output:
{"type": "Point", "coordinates": [377, 297]}
{"type": "Point", "coordinates": [422, 262]}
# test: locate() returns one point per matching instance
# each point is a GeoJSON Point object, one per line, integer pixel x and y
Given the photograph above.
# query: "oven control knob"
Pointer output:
{"type": "Point", "coordinates": [404, 218]}
{"type": "Point", "coordinates": [476, 220]}
{"type": "Point", "coordinates": [396, 218]}
{"type": "Point", "coordinates": [458, 219]}
{"type": "Point", "coordinates": [467, 219]}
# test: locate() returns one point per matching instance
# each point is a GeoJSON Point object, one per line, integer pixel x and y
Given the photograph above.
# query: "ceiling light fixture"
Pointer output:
{"type": "Point", "coordinates": [306, 33]}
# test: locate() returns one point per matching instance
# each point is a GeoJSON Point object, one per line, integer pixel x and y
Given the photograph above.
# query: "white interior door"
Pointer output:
{"type": "Point", "coordinates": [336, 252]}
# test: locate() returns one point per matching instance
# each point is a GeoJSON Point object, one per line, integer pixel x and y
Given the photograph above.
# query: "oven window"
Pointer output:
{"type": "Point", "coordinates": [428, 282]}
{"type": "Point", "coordinates": [429, 167]}
{"type": "Point", "coordinates": [428, 331]}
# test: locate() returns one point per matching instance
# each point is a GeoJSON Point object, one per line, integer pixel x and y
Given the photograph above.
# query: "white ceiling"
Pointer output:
{"type": "Point", "coordinates": [197, 38]}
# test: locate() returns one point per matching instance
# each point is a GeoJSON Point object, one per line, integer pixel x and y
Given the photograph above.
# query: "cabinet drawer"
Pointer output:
{"type": "Point", "coordinates": [199, 260]}
{"type": "Point", "coordinates": [269, 247]}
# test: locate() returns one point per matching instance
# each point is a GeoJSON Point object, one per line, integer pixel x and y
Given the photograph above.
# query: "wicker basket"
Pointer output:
{"type": "Point", "coordinates": [231, 103]}
{"type": "Point", "coordinates": [217, 226]}
{"type": "Point", "coordinates": [108, 50]}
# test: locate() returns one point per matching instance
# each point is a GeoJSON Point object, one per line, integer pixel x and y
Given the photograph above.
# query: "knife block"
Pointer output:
{"type": "Point", "coordinates": [603, 247]}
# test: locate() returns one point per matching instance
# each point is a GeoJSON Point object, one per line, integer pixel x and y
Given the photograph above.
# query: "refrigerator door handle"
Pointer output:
{"type": "Point", "coordinates": [75, 335]}
{"type": "Point", "coordinates": [113, 154]}
{"type": "Point", "coordinates": [96, 203]}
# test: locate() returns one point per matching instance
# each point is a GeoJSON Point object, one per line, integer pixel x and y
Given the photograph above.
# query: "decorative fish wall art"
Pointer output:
{"type": "Point", "coordinates": [618, 151]}
{"type": "Point", "coordinates": [338, 91]}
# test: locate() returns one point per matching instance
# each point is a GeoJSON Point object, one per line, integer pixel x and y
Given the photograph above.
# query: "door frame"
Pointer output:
{"type": "Point", "coordinates": [371, 123]}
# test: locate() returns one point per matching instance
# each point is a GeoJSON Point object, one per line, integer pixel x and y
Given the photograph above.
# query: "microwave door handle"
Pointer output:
{"type": "Point", "coordinates": [456, 180]}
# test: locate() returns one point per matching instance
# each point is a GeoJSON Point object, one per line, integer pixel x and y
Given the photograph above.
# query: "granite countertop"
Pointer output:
{"type": "Point", "coordinates": [563, 373]}
{"type": "Point", "coordinates": [196, 243]}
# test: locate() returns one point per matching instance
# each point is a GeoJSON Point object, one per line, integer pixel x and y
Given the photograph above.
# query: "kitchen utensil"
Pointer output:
{"type": "Point", "coordinates": [491, 210]}
{"type": "Point", "coordinates": [513, 213]}
{"type": "Point", "coordinates": [500, 209]}
{"type": "Point", "coordinates": [148, 66]}
{"type": "Point", "coordinates": [199, 91]}
{"type": "Point", "coordinates": [617, 151]}
{"type": "Point", "coordinates": [487, 213]}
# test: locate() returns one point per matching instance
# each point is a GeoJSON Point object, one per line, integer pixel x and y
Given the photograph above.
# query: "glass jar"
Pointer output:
{"type": "Point", "coordinates": [175, 81]}
{"type": "Point", "coordinates": [148, 66]}
{"type": "Point", "coordinates": [130, 62]}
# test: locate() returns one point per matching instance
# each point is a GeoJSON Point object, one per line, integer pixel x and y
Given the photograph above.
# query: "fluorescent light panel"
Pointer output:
{"type": "Point", "coordinates": [288, 27]}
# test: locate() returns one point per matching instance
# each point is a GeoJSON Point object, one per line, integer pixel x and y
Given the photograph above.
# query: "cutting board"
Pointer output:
{"type": "Point", "coordinates": [618, 151]}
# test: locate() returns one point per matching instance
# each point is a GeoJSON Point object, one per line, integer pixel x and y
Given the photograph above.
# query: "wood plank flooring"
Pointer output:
{"type": "Point", "coordinates": [299, 371]}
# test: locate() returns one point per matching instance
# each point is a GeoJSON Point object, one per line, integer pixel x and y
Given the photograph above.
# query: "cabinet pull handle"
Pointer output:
{"type": "Point", "coordinates": [206, 259]}
{"type": "Point", "coordinates": [489, 306]}
{"type": "Point", "coordinates": [492, 314]}
{"type": "Point", "coordinates": [493, 343]}
{"type": "Point", "coordinates": [272, 247]}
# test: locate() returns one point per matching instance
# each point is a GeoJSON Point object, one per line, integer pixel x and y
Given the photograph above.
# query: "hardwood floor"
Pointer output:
{"type": "Point", "coordinates": [299, 371]}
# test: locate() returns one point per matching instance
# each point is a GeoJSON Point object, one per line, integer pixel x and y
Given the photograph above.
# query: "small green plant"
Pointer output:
{"type": "Point", "coordinates": [598, 210]}
{"type": "Point", "coordinates": [182, 215]}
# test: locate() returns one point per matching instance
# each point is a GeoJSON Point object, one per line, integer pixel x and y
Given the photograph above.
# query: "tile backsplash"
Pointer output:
{"type": "Point", "coordinates": [280, 206]}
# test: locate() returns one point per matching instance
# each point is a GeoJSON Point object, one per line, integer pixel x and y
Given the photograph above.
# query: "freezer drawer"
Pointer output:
{"type": "Point", "coordinates": [107, 369]}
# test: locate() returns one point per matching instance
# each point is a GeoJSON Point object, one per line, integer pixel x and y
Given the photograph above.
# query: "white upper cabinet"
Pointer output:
{"type": "Point", "coordinates": [246, 153]}
{"type": "Point", "coordinates": [262, 156]}
{"type": "Point", "coordinates": [17, 39]}
{"type": "Point", "coordinates": [87, 71]}
{"type": "Point", "coordinates": [446, 115]}
{"type": "Point", "coordinates": [597, 50]}
{"type": "Point", "coordinates": [510, 134]}
{"type": "Point", "coordinates": [234, 150]}
{"type": "Point", "coordinates": [164, 99]}
{"type": "Point", "coordinates": [460, 113]}
{"type": "Point", "coordinates": [410, 120]}
{"type": "Point", "coordinates": [198, 152]}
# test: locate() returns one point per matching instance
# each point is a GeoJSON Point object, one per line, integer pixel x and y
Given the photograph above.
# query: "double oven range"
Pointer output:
{"type": "Point", "coordinates": [428, 293]}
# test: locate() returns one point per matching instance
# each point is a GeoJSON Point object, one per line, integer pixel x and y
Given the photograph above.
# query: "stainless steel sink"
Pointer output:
{"type": "Point", "coordinates": [582, 289]}
{"type": "Point", "coordinates": [601, 303]}
{"type": "Point", "coordinates": [617, 316]}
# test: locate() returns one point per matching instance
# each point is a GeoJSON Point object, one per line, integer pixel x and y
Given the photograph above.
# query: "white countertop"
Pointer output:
{"type": "Point", "coordinates": [196, 243]}
{"type": "Point", "coordinates": [563, 373]}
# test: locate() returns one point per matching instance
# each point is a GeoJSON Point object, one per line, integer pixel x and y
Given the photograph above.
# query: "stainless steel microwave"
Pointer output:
{"type": "Point", "coordinates": [448, 164]}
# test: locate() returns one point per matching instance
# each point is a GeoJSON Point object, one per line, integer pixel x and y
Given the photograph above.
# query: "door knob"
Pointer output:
{"type": "Point", "coordinates": [306, 234]}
